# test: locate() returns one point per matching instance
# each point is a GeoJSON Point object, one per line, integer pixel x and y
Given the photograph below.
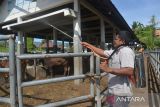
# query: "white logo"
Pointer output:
{"type": "Point", "coordinates": [130, 99]}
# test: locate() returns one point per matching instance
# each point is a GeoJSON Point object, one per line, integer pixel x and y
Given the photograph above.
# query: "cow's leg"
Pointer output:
{"type": "Point", "coordinates": [69, 70]}
{"type": "Point", "coordinates": [51, 71]}
{"type": "Point", "coordinates": [65, 70]}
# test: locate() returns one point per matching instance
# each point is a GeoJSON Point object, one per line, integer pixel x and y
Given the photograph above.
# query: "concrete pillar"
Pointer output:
{"type": "Point", "coordinates": [54, 41]}
{"type": "Point", "coordinates": [102, 43]}
{"type": "Point", "coordinates": [20, 39]}
{"type": "Point", "coordinates": [76, 41]}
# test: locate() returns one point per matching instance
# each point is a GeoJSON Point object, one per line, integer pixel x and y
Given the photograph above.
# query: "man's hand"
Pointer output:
{"type": "Point", "coordinates": [104, 67]}
{"type": "Point", "coordinates": [87, 45]}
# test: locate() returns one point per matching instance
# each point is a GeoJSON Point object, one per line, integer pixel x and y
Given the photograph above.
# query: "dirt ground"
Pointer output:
{"type": "Point", "coordinates": [42, 94]}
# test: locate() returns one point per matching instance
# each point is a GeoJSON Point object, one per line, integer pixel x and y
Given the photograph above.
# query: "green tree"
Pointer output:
{"type": "Point", "coordinates": [30, 44]}
{"type": "Point", "coordinates": [146, 34]}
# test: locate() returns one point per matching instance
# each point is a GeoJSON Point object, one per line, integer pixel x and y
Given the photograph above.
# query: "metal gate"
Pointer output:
{"type": "Point", "coordinates": [16, 87]}
{"type": "Point", "coordinates": [11, 70]}
{"type": "Point", "coordinates": [54, 80]}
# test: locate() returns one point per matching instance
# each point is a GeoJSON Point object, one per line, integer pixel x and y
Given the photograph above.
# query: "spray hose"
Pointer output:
{"type": "Point", "coordinates": [79, 39]}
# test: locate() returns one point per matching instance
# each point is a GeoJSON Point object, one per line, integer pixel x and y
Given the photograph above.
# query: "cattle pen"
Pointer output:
{"type": "Point", "coordinates": [20, 84]}
{"type": "Point", "coordinates": [92, 21]}
{"type": "Point", "coordinates": [18, 75]}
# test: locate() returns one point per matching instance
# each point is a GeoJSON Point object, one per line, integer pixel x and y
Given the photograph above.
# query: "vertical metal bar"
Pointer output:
{"type": "Point", "coordinates": [12, 73]}
{"type": "Point", "coordinates": [19, 82]}
{"type": "Point", "coordinates": [158, 64]}
{"type": "Point", "coordinates": [20, 38]}
{"type": "Point", "coordinates": [35, 67]}
{"type": "Point", "coordinates": [156, 61]}
{"type": "Point", "coordinates": [19, 73]}
{"type": "Point", "coordinates": [54, 41]}
{"type": "Point", "coordinates": [92, 81]}
{"type": "Point", "coordinates": [98, 82]}
{"type": "Point", "coordinates": [76, 40]}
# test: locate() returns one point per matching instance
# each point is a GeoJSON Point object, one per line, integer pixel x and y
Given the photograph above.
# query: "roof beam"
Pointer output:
{"type": "Point", "coordinates": [91, 8]}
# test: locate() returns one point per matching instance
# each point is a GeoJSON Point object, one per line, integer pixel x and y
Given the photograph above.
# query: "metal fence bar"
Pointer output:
{"type": "Point", "coordinates": [154, 51]}
{"type": "Point", "coordinates": [54, 80]}
{"type": "Point", "coordinates": [98, 91]}
{"type": "Point", "coordinates": [4, 54]}
{"type": "Point", "coordinates": [68, 102]}
{"type": "Point", "coordinates": [154, 58]}
{"type": "Point", "coordinates": [155, 62]}
{"type": "Point", "coordinates": [12, 73]}
{"type": "Point", "coordinates": [11, 70]}
{"type": "Point", "coordinates": [19, 82]}
{"type": "Point", "coordinates": [92, 72]}
{"type": "Point", "coordinates": [4, 69]}
{"type": "Point", "coordinates": [158, 67]}
{"type": "Point", "coordinates": [34, 56]}
{"type": "Point", "coordinates": [5, 100]}
{"type": "Point", "coordinates": [6, 37]}
{"type": "Point", "coordinates": [153, 85]}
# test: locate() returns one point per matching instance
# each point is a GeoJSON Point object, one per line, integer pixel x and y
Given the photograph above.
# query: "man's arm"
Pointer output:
{"type": "Point", "coordinates": [121, 71]}
{"type": "Point", "coordinates": [116, 71]}
{"type": "Point", "coordinates": [94, 49]}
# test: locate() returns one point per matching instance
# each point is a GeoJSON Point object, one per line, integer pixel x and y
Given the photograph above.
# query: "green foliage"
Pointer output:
{"type": "Point", "coordinates": [4, 47]}
{"type": "Point", "coordinates": [146, 34]}
{"type": "Point", "coordinates": [30, 44]}
{"type": "Point", "coordinates": [157, 42]}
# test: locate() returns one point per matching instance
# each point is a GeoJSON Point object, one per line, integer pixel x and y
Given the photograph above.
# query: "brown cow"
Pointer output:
{"type": "Point", "coordinates": [4, 63]}
{"type": "Point", "coordinates": [50, 63]}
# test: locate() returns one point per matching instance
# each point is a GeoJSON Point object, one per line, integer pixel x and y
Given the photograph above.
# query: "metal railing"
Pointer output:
{"type": "Point", "coordinates": [11, 70]}
{"type": "Point", "coordinates": [155, 61]}
{"type": "Point", "coordinates": [153, 68]}
{"type": "Point", "coordinates": [13, 76]}
{"type": "Point", "coordinates": [54, 80]}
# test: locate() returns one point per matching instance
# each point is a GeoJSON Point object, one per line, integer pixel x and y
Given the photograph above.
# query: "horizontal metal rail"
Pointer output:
{"type": "Point", "coordinates": [5, 100]}
{"type": "Point", "coordinates": [6, 37]}
{"type": "Point", "coordinates": [154, 51]}
{"type": "Point", "coordinates": [54, 80]}
{"type": "Point", "coordinates": [69, 101]}
{"type": "Point", "coordinates": [4, 69]}
{"type": "Point", "coordinates": [154, 59]}
{"type": "Point", "coordinates": [4, 54]}
{"type": "Point", "coordinates": [34, 56]}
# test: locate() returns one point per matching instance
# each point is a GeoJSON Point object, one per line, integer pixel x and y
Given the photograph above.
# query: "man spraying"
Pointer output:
{"type": "Point", "coordinates": [120, 66]}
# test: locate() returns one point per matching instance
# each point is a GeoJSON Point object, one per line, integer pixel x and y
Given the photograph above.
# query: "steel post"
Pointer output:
{"type": "Point", "coordinates": [12, 73]}
{"type": "Point", "coordinates": [19, 82]}
{"type": "Point", "coordinates": [98, 91]}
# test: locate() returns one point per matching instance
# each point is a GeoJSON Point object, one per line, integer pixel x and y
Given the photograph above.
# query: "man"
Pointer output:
{"type": "Point", "coordinates": [121, 66]}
